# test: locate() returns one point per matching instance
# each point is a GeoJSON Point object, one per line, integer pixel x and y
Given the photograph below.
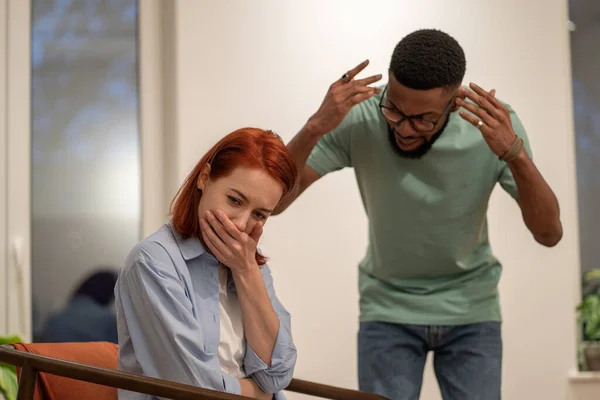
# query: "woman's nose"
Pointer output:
{"type": "Point", "coordinates": [240, 220]}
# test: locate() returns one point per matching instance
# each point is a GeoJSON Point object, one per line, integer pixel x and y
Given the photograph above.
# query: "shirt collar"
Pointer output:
{"type": "Point", "coordinates": [190, 248]}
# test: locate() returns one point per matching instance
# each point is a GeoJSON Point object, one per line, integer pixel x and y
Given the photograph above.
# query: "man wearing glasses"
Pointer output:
{"type": "Point", "coordinates": [427, 153]}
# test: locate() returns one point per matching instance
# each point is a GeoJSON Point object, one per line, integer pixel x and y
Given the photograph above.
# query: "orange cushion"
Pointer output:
{"type": "Point", "coordinates": [52, 387]}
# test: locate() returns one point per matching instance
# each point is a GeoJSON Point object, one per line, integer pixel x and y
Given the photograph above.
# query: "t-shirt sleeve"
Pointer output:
{"type": "Point", "coordinates": [334, 150]}
{"type": "Point", "coordinates": [506, 178]}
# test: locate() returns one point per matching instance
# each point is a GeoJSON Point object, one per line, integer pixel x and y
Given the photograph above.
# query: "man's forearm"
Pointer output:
{"type": "Point", "coordinates": [342, 95]}
{"type": "Point", "coordinates": [538, 203]}
{"type": "Point", "coordinates": [303, 143]}
{"type": "Point", "coordinates": [300, 147]}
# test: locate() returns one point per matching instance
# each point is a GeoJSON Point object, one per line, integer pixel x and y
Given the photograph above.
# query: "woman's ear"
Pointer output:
{"type": "Point", "coordinates": [203, 177]}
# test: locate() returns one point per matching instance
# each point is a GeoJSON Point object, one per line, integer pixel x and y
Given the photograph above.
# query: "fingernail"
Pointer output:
{"type": "Point", "coordinates": [207, 213]}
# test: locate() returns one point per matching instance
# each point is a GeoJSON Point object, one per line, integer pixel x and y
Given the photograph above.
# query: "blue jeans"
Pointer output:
{"type": "Point", "coordinates": [467, 359]}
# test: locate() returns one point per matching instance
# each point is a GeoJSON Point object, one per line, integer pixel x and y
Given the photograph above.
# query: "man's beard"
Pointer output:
{"type": "Point", "coordinates": [419, 151]}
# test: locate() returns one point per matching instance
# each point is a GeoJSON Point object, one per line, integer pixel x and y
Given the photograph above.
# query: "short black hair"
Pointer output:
{"type": "Point", "coordinates": [428, 59]}
{"type": "Point", "coordinates": [99, 286]}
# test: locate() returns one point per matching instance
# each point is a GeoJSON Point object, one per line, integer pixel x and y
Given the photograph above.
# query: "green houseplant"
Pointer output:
{"type": "Point", "coordinates": [589, 317]}
{"type": "Point", "coordinates": [8, 373]}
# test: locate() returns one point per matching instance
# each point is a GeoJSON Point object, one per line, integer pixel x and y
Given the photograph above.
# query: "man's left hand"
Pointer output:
{"type": "Point", "coordinates": [496, 126]}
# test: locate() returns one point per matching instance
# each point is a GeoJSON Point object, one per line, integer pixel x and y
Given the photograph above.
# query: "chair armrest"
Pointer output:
{"type": "Point", "coordinates": [329, 392]}
{"type": "Point", "coordinates": [33, 364]}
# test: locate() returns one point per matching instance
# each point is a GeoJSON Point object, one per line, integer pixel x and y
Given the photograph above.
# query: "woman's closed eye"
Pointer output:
{"type": "Point", "coordinates": [234, 201]}
{"type": "Point", "coordinates": [260, 215]}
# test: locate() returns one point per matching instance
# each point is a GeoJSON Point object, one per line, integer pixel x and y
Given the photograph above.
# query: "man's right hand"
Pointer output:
{"type": "Point", "coordinates": [342, 95]}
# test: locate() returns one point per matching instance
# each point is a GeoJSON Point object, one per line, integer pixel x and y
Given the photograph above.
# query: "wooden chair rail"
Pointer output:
{"type": "Point", "coordinates": [32, 364]}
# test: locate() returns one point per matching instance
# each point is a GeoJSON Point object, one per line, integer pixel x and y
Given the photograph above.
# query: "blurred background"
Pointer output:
{"type": "Point", "coordinates": [85, 144]}
{"type": "Point", "coordinates": [106, 105]}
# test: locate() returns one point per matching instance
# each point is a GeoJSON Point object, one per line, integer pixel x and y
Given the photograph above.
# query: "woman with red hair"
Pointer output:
{"type": "Point", "coordinates": [195, 300]}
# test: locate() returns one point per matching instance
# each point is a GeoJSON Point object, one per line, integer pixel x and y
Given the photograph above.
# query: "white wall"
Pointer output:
{"type": "Point", "coordinates": [269, 63]}
{"type": "Point", "coordinates": [17, 296]}
{"type": "Point", "coordinates": [153, 112]}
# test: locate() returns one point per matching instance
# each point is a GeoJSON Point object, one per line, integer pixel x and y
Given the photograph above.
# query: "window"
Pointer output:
{"type": "Point", "coordinates": [85, 144]}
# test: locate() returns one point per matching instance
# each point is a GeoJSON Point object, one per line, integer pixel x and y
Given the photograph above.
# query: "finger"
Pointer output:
{"type": "Point", "coordinates": [493, 92]}
{"type": "Point", "coordinates": [257, 231]}
{"type": "Point", "coordinates": [212, 239]}
{"type": "Point", "coordinates": [218, 228]}
{"type": "Point", "coordinates": [349, 75]}
{"type": "Point", "coordinates": [368, 81]}
{"type": "Point", "coordinates": [479, 90]}
{"type": "Point", "coordinates": [473, 120]}
{"type": "Point", "coordinates": [478, 111]}
{"type": "Point", "coordinates": [487, 96]}
{"type": "Point", "coordinates": [462, 94]}
{"type": "Point", "coordinates": [229, 226]}
{"type": "Point", "coordinates": [211, 247]}
{"type": "Point", "coordinates": [348, 94]}
{"type": "Point", "coordinates": [483, 103]}
{"type": "Point", "coordinates": [359, 98]}
{"type": "Point", "coordinates": [214, 251]}
{"type": "Point", "coordinates": [356, 70]}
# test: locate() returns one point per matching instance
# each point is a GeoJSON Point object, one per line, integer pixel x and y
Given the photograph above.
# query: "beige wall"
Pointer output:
{"type": "Point", "coordinates": [269, 63]}
{"type": "Point", "coordinates": [3, 169]}
{"type": "Point", "coordinates": [15, 278]}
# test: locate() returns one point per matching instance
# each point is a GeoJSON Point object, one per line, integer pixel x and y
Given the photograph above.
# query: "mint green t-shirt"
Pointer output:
{"type": "Point", "coordinates": [428, 260]}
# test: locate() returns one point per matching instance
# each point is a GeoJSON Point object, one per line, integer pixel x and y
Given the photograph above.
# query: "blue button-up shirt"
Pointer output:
{"type": "Point", "coordinates": [167, 301]}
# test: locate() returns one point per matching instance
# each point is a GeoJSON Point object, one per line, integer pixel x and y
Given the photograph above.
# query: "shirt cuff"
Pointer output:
{"type": "Point", "coordinates": [231, 384]}
{"type": "Point", "coordinates": [281, 354]}
{"type": "Point", "coordinates": [317, 166]}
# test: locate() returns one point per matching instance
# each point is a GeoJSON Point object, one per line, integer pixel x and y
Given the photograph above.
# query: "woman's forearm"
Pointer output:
{"type": "Point", "coordinates": [250, 389]}
{"type": "Point", "coordinates": [261, 323]}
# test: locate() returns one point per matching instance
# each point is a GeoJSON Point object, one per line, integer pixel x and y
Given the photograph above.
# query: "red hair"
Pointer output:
{"type": "Point", "coordinates": [246, 147]}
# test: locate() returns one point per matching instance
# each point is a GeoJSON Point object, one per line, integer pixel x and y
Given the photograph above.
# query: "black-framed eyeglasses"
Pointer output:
{"type": "Point", "coordinates": [419, 124]}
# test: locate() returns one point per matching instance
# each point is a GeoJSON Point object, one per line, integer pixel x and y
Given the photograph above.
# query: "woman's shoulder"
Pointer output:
{"type": "Point", "coordinates": [153, 251]}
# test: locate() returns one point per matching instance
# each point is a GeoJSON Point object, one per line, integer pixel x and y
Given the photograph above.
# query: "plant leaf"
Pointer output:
{"type": "Point", "coordinates": [9, 384]}
{"type": "Point", "coordinates": [593, 274]}
{"type": "Point", "coordinates": [10, 339]}
{"type": "Point", "coordinates": [589, 316]}
{"type": "Point", "coordinates": [8, 381]}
